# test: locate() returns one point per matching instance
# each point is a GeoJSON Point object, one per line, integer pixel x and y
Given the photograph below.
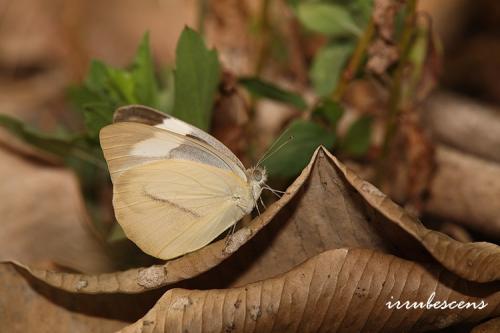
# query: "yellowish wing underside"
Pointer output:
{"type": "Point", "coordinates": [172, 207]}
{"type": "Point", "coordinates": [127, 145]}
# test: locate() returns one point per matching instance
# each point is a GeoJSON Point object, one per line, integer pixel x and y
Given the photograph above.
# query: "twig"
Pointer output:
{"type": "Point", "coordinates": [202, 14]}
{"type": "Point", "coordinates": [263, 28]}
{"type": "Point", "coordinates": [395, 92]}
{"type": "Point", "coordinates": [354, 61]}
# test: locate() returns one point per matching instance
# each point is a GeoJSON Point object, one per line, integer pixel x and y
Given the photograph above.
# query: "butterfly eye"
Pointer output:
{"type": "Point", "coordinates": [257, 175]}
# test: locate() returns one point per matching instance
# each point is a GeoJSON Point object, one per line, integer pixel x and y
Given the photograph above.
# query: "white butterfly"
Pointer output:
{"type": "Point", "coordinates": [175, 187]}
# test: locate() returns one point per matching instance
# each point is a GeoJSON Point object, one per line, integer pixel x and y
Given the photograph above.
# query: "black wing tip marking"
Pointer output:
{"type": "Point", "coordinates": [139, 114]}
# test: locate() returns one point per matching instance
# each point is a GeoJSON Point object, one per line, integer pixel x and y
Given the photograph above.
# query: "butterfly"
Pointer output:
{"type": "Point", "coordinates": [175, 187]}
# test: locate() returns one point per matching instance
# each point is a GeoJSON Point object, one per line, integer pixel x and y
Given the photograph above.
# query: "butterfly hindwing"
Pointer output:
{"type": "Point", "coordinates": [171, 207]}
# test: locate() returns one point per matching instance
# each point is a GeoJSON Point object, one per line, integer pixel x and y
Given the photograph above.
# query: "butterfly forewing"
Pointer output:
{"type": "Point", "coordinates": [126, 145]}
{"type": "Point", "coordinates": [152, 117]}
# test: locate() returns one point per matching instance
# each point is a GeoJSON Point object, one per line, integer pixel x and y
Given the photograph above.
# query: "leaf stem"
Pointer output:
{"type": "Point", "coordinates": [355, 60]}
{"type": "Point", "coordinates": [85, 156]}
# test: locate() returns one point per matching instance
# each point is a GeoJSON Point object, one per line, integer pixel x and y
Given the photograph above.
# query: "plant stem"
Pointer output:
{"type": "Point", "coordinates": [263, 29]}
{"type": "Point", "coordinates": [202, 14]}
{"type": "Point", "coordinates": [355, 61]}
{"type": "Point", "coordinates": [395, 92]}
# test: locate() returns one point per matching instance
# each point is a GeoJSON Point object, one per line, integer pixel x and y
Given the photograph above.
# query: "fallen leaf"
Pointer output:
{"type": "Point", "coordinates": [341, 290]}
{"type": "Point", "coordinates": [28, 305]}
{"type": "Point", "coordinates": [491, 326]}
{"type": "Point", "coordinates": [472, 197]}
{"type": "Point", "coordinates": [327, 207]}
{"type": "Point", "coordinates": [337, 251]}
{"type": "Point", "coordinates": [451, 118]}
{"type": "Point", "coordinates": [44, 222]}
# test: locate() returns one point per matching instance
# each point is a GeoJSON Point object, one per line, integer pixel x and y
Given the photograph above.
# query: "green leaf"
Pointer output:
{"type": "Point", "coordinates": [268, 90]}
{"type": "Point", "coordinates": [103, 91]}
{"type": "Point", "coordinates": [361, 10]}
{"type": "Point", "coordinates": [292, 3]}
{"type": "Point", "coordinates": [294, 155]}
{"type": "Point", "coordinates": [143, 75]}
{"type": "Point", "coordinates": [328, 19]}
{"type": "Point", "coordinates": [166, 94]}
{"type": "Point", "coordinates": [106, 88]}
{"type": "Point", "coordinates": [97, 77]}
{"type": "Point", "coordinates": [61, 144]}
{"type": "Point", "coordinates": [196, 79]}
{"type": "Point", "coordinates": [97, 116]}
{"type": "Point", "coordinates": [330, 111]}
{"type": "Point", "coordinates": [357, 140]}
{"type": "Point", "coordinates": [117, 234]}
{"type": "Point", "coordinates": [327, 67]}
{"type": "Point", "coordinates": [121, 84]}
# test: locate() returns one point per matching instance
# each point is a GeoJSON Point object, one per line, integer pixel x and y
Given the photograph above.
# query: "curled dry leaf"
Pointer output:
{"type": "Point", "coordinates": [382, 51]}
{"type": "Point", "coordinates": [230, 115]}
{"type": "Point", "coordinates": [473, 198]}
{"type": "Point", "coordinates": [29, 305]}
{"type": "Point", "coordinates": [326, 207]}
{"type": "Point", "coordinates": [452, 118]}
{"type": "Point", "coordinates": [382, 56]}
{"type": "Point", "coordinates": [141, 279]}
{"type": "Point", "coordinates": [316, 233]}
{"type": "Point", "coordinates": [412, 163]}
{"type": "Point", "coordinates": [384, 14]}
{"type": "Point", "coordinates": [491, 326]}
{"type": "Point", "coordinates": [341, 290]}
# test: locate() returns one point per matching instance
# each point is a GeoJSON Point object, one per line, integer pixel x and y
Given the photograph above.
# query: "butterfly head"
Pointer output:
{"type": "Point", "coordinates": [257, 177]}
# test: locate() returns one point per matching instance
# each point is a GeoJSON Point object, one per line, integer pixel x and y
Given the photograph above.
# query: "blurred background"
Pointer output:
{"type": "Point", "coordinates": [407, 97]}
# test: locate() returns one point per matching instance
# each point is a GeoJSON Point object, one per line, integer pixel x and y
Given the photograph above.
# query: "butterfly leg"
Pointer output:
{"type": "Point", "coordinates": [273, 191]}
{"type": "Point", "coordinates": [230, 235]}
{"type": "Point", "coordinates": [262, 203]}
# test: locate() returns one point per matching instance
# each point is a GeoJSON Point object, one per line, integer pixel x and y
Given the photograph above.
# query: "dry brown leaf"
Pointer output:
{"type": "Point", "coordinates": [491, 326]}
{"type": "Point", "coordinates": [236, 46]}
{"type": "Point", "coordinates": [141, 279]}
{"type": "Point", "coordinates": [464, 124]}
{"type": "Point", "coordinates": [382, 51]}
{"type": "Point", "coordinates": [326, 207]}
{"type": "Point", "coordinates": [43, 218]}
{"type": "Point", "coordinates": [342, 290]}
{"type": "Point", "coordinates": [29, 305]}
{"type": "Point", "coordinates": [384, 15]}
{"type": "Point", "coordinates": [230, 117]}
{"type": "Point", "coordinates": [334, 208]}
{"type": "Point", "coordinates": [340, 240]}
{"type": "Point", "coordinates": [466, 189]}
{"type": "Point", "coordinates": [412, 163]}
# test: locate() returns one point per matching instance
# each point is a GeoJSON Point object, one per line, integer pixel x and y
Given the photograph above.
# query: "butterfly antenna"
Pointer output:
{"type": "Point", "coordinates": [265, 157]}
{"type": "Point", "coordinates": [268, 151]}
